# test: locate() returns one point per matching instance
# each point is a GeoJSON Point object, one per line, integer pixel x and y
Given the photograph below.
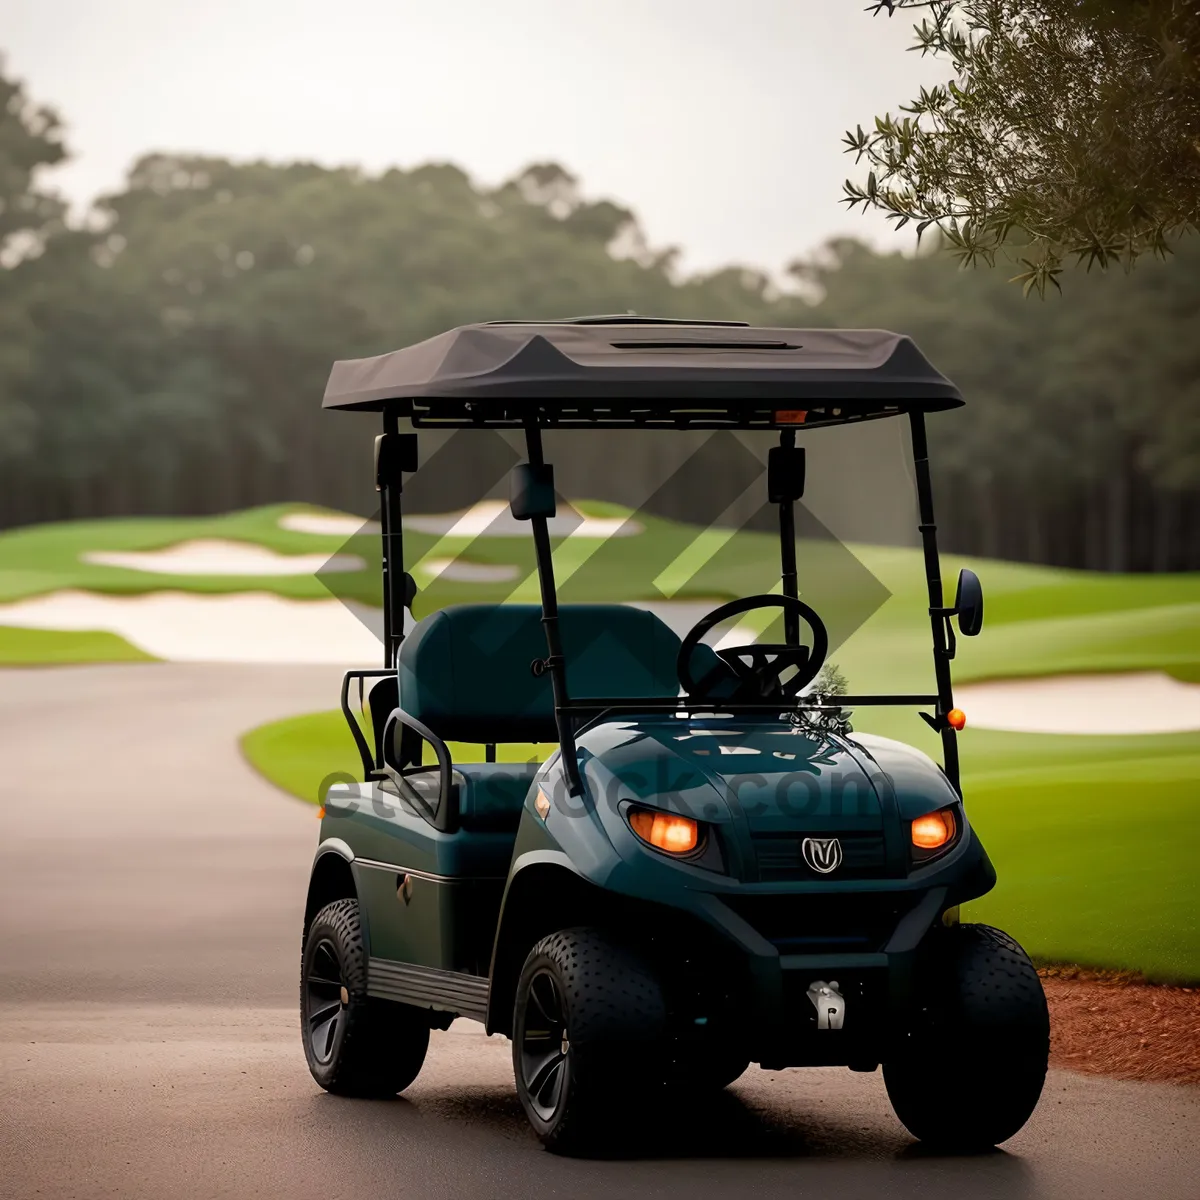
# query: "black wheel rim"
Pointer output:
{"type": "Point", "coordinates": [324, 1010]}
{"type": "Point", "coordinates": [544, 1045]}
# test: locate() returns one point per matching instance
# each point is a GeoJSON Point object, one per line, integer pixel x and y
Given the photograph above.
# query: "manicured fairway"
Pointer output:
{"type": "Point", "coordinates": [1039, 620]}
{"type": "Point", "coordinates": [1097, 856]}
{"type": "Point", "coordinates": [48, 647]}
{"type": "Point", "coordinates": [47, 558]}
{"type": "Point", "coordinates": [300, 754]}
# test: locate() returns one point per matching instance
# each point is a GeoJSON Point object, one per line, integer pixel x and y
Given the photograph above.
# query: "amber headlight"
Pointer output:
{"type": "Point", "coordinates": [665, 831]}
{"type": "Point", "coordinates": [933, 834]}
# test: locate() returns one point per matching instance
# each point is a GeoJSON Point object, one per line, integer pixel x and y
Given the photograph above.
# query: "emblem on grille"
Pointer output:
{"type": "Point", "coordinates": [829, 1003]}
{"type": "Point", "coordinates": [822, 854]}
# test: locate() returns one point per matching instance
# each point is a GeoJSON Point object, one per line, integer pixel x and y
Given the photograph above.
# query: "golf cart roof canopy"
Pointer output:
{"type": "Point", "coordinates": [637, 372]}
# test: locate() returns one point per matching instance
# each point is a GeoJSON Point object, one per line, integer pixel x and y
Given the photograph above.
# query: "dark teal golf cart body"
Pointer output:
{"type": "Point", "coordinates": [765, 878]}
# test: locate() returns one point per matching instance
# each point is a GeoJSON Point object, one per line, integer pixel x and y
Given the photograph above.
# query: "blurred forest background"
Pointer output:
{"type": "Point", "coordinates": [168, 354]}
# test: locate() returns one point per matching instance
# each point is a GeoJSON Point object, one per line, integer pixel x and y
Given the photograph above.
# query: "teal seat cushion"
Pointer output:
{"type": "Point", "coordinates": [465, 671]}
{"type": "Point", "coordinates": [490, 795]}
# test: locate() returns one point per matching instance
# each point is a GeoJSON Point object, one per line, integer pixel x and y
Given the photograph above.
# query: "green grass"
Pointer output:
{"type": "Point", "coordinates": [298, 753]}
{"type": "Point", "coordinates": [47, 558]}
{"type": "Point", "coordinates": [1039, 621]}
{"type": "Point", "coordinates": [1097, 858]}
{"type": "Point", "coordinates": [304, 755]}
{"type": "Point", "coordinates": [48, 647]}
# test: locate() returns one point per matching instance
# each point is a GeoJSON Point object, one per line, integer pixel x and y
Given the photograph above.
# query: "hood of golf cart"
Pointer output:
{"type": "Point", "coordinates": [770, 784]}
{"type": "Point", "coordinates": [767, 772]}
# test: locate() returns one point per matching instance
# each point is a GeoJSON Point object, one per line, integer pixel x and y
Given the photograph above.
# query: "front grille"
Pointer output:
{"type": "Point", "coordinates": [826, 922]}
{"type": "Point", "coordinates": [780, 859]}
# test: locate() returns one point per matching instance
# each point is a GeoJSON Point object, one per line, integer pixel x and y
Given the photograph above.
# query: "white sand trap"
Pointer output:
{"type": "Point", "coordinates": [681, 615]}
{"type": "Point", "coordinates": [327, 524]}
{"type": "Point", "coordinates": [488, 518]}
{"type": "Point", "coordinates": [212, 556]}
{"type": "Point", "coordinates": [1142, 702]}
{"type": "Point", "coordinates": [492, 518]}
{"type": "Point", "coordinates": [243, 627]}
{"type": "Point", "coordinates": [460, 571]}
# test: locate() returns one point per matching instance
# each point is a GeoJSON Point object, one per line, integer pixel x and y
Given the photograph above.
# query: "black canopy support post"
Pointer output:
{"type": "Point", "coordinates": [555, 663]}
{"type": "Point", "coordinates": [788, 576]}
{"type": "Point", "coordinates": [395, 453]}
{"type": "Point", "coordinates": [937, 613]}
{"type": "Point", "coordinates": [785, 485]}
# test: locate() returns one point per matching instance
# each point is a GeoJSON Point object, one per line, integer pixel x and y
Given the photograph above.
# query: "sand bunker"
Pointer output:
{"type": "Point", "coordinates": [215, 557]}
{"type": "Point", "coordinates": [488, 518]}
{"type": "Point", "coordinates": [460, 571]}
{"type": "Point", "coordinates": [262, 627]}
{"type": "Point", "coordinates": [242, 627]}
{"type": "Point", "coordinates": [327, 524]}
{"type": "Point", "coordinates": [492, 518]}
{"type": "Point", "coordinates": [1141, 702]}
{"type": "Point", "coordinates": [179, 626]}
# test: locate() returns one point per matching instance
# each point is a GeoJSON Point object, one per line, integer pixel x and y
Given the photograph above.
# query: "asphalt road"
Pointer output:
{"type": "Point", "coordinates": [150, 896]}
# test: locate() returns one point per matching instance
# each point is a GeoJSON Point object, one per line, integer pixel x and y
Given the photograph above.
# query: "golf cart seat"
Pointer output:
{"type": "Point", "coordinates": [466, 672]}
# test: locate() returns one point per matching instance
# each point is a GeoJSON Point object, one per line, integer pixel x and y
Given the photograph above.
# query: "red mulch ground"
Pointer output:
{"type": "Point", "coordinates": [1115, 1023]}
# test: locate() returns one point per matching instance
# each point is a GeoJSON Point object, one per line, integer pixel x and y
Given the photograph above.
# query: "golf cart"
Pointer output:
{"type": "Point", "coordinates": [652, 908]}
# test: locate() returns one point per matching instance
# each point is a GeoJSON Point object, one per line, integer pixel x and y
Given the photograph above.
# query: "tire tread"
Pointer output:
{"type": "Point", "coordinates": [384, 1044]}
{"type": "Point", "coordinates": [616, 1014]}
{"type": "Point", "coordinates": [989, 1021]}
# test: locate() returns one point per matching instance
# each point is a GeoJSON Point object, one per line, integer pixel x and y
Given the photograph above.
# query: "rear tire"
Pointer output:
{"type": "Point", "coordinates": [971, 1069]}
{"type": "Point", "coordinates": [588, 1024]}
{"type": "Point", "coordinates": [355, 1045]}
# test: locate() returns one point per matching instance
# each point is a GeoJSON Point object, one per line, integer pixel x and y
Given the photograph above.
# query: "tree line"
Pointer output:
{"type": "Point", "coordinates": [168, 354]}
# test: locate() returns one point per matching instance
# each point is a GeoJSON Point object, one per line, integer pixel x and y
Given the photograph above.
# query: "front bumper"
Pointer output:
{"type": "Point", "coordinates": [750, 944]}
{"type": "Point", "coordinates": [784, 982]}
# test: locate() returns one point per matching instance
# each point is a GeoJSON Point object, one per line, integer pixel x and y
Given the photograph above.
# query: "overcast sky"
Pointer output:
{"type": "Point", "coordinates": [718, 121]}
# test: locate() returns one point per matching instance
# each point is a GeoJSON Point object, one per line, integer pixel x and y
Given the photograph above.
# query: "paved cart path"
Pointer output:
{"type": "Point", "coordinates": [150, 892]}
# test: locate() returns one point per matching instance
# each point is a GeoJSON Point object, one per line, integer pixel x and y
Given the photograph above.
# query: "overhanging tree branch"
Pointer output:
{"type": "Point", "coordinates": [1068, 128]}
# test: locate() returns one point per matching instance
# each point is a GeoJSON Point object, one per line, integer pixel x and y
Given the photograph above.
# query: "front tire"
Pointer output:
{"type": "Point", "coordinates": [588, 1024]}
{"type": "Point", "coordinates": [971, 1068]}
{"type": "Point", "coordinates": [355, 1045]}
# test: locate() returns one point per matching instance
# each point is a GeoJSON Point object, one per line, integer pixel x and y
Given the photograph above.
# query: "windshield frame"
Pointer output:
{"type": "Point", "coordinates": [396, 453]}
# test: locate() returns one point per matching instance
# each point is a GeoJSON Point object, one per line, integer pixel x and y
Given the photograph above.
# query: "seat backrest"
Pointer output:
{"type": "Point", "coordinates": [466, 670]}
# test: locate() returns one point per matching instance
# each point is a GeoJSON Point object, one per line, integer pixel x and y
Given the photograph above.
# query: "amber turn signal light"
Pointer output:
{"type": "Point", "coordinates": [665, 831]}
{"type": "Point", "coordinates": [956, 718]}
{"type": "Point", "coordinates": [934, 830]}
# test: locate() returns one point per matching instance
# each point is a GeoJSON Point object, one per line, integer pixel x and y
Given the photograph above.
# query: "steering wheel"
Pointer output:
{"type": "Point", "coordinates": [753, 672]}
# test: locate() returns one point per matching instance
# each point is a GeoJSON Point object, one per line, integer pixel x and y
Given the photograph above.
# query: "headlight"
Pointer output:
{"type": "Point", "coordinates": [933, 834]}
{"type": "Point", "coordinates": [665, 831]}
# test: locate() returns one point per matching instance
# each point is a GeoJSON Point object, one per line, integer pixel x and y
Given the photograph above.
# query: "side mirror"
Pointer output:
{"type": "Point", "coordinates": [968, 603]}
